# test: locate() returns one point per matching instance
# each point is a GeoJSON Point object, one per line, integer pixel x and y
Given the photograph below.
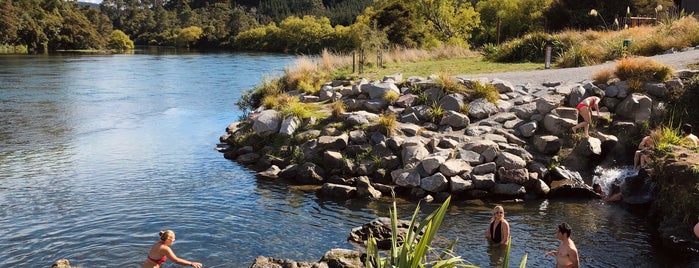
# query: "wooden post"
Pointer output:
{"type": "Point", "coordinates": [497, 35]}
{"type": "Point", "coordinates": [354, 60]}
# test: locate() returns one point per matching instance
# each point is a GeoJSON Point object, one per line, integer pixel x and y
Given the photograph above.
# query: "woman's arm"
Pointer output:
{"type": "Point", "coordinates": [170, 254]}
{"type": "Point", "coordinates": [505, 232]}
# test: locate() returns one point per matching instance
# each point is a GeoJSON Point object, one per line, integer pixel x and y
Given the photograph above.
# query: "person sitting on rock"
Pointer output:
{"type": "Point", "coordinates": [690, 138]}
{"type": "Point", "coordinates": [585, 110]}
{"type": "Point", "coordinates": [642, 154]}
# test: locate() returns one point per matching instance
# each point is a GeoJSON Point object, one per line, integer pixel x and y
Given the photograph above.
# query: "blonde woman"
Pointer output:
{"type": "Point", "coordinates": [499, 229]}
{"type": "Point", "coordinates": [161, 250]}
{"type": "Point", "coordinates": [585, 108]}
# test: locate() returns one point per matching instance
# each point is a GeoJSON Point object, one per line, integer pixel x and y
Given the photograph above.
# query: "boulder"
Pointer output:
{"type": "Point", "coordinates": [656, 89]}
{"type": "Point", "coordinates": [266, 123]}
{"type": "Point", "coordinates": [432, 163]}
{"type": "Point", "coordinates": [588, 147]}
{"type": "Point", "coordinates": [502, 86]}
{"type": "Point", "coordinates": [486, 168]}
{"type": "Point", "coordinates": [365, 189]}
{"type": "Point", "coordinates": [455, 119]}
{"type": "Point", "coordinates": [271, 173]}
{"type": "Point", "coordinates": [413, 154]}
{"type": "Point", "coordinates": [360, 118]}
{"type": "Point", "coordinates": [376, 90]}
{"type": "Point", "coordinates": [435, 183]}
{"type": "Point", "coordinates": [339, 191]}
{"type": "Point", "coordinates": [289, 126]}
{"type": "Point", "coordinates": [342, 258]}
{"type": "Point", "coordinates": [481, 108]}
{"type": "Point", "coordinates": [547, 103]}
{"type": "Point", "coordinates": [333, 142]}
{"type": "Point", "coordinates": [557, 125]}
{"type": "Point", "coordinates": [471, 157]}
{"type": "Point", "coordinates": [519, 176]}
{"type": "Point", "coordinates": [528, 129]}
{"type": "Point", "coordinates": [509, 161]}
{"type": "Point", "coordinates": [452, 102]}
{"type": "Point", "coordinates": [453, 167]}
{"type": "Point", "coordinates": [549, 144]}
{"type": "Point", "coordinates": [310, 173]}
{"type": "Point", "coordinates": [483, 182]}
{"type": "Point", "coordinates": [406, 177]}
{"type": "Point", "coordinates": [636, 107]}
{"type": "Point", "coordinates": [458, 184]}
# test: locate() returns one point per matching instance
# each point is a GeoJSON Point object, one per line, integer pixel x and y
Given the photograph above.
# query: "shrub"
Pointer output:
{"type": "Point", "coordinates": [529, 48]}
{"type": "Point", "coordinates": [644, 69]}
{"type": "Point", "coordinates": [664, 137]}
{"type": "Point", "coordinates": [119, 41]}
{"type": "Point", "coordinates": [388, 124]}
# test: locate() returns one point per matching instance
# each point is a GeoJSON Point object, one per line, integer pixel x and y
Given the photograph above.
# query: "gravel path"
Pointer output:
{"type": "Point", "coordinates": [678, 61]}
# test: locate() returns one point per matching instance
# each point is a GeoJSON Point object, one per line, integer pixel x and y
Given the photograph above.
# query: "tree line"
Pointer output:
{"type": "Point", "coordinates": [299, 26]}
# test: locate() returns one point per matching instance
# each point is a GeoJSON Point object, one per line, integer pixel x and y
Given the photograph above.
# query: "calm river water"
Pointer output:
{"type": "Point", "coordinates": [100, 152]}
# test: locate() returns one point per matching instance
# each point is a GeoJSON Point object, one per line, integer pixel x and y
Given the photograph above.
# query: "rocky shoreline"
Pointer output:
{"type": "Point", "coordinates": [517, 147]}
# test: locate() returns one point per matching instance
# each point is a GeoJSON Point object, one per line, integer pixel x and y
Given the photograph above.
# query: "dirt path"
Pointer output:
{"type": "Point", "coordinates": [574, 75]}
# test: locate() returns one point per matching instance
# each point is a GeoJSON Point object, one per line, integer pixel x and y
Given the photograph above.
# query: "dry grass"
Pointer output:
{"type": "Point", "coordinates": [449, 84]}
{"type": "Point", "coordinates": [388, 124]}
{"type": "Point", "coordinates": [642, 68]}
{"type": "Point", "coordinates": [603, 76]}
{"type": "Point", "coordinates": [391, 97]}
{"type": "Point", "coordinates": [338, 108]}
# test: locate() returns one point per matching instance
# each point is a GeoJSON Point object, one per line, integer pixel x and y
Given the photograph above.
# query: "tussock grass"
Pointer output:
{"type": "Point", "coordinates": [391, 97]}
{"type": "Point", "coordinates": [388, 124]}
{"type": "Point", "coordinates": [448, 84]}
{"type": "Point", "coordinates": [487, 91]}
{"type": "Point", "coordinates": [603, 76]}
{"type": "Point", "coordinates": [642, 68]}
{"type": "Point", "coordinates": [338, 108]}
{"type": "Point", "coordinates": [665, 136]}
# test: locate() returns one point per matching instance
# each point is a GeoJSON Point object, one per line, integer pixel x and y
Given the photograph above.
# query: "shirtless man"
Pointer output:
{"type": "Point", "coordinates": [690, 138]}
{"type": "Point", "coordinates": [567, 253]}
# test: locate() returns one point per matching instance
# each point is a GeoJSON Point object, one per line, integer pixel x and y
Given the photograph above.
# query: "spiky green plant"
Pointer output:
{"type": "Point", "coordinates": [412, 253]}
{"type": "Point", "coordinates": [436, 112]}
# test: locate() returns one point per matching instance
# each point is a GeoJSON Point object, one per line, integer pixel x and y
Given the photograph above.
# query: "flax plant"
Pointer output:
{"type": "Point", "coordinates": [412, 253]}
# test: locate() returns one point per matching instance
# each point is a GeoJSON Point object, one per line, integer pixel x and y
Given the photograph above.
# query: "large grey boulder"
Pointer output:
{"type": "Point", "coordinates": [360, 118]}
{"type": "Point", "coordinates": [589, 146]}
{"type": "Point", "coordinates": [458, 184]}
{"type": "Point", "coordinates": [481, 108]}
{"type": "Point", "coordinates": [333, 142]}
{"type": "Point", "coordinates": [558, 125]}
{"type": "Point", "coordinates": [656, 89]}
{"type": "Point", "coordinates": [502, 86]}
{"type": "Point", "coordinates": [431, 164]}
{"type": "Point", "coordinates": [310, 173]}
{"type": "Point", "coordinates": [577, 94]}
{"type": "Point", "coordinates": [483, 182]}
{"type": "Point", "coordinates": [289, 126]}
{"type": "Point", "coordinates": [471, 157]}
{"type": "Point", "coordinates": [509, 161]}
{"type": "Point", "coordinates": [519, 175]}
{"type": "Point", "coordinates": [452, 102]}
{"type": "Point", "coordinates": [455, 119]}
{"type": "Point", "coordinates": [528, 129]}
{"type": "Point", "coordinates": [339, 191]}
{"type": "Point", "coordinates": [636, 107]}
{"type": "Point", "coordinates": [378, 89]}
{"type": "Point", "coordinates": [525, 111]}
{"type": "Point", "coordinates": [486, 168]}
{"type": "Point", "coordinates": [375, 105]}
{"type": "Point", "coordinates": [406, 177]}
{"type": "Point", "coordinates": [413, 154]}
{"type": "Point", "coordinates": [453, 167]}
{"type": "Point", "coordinates": [266, 123]}
{"type": "Point", "coordinates": [365, 189]}
{"type": "Point", "coordinates": [547, 103]}
{"type": "Point", "coordinates": [435, 183]}
{"type": "Point", "coordinates": [548, 144]}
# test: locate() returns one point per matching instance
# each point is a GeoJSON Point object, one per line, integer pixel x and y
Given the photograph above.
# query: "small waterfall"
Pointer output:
{"type": "Point", "coordinates": [636, 187]}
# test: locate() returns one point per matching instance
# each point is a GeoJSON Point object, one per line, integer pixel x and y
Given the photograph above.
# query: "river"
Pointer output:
{"type": "Point", "coordinates": [100, 152]}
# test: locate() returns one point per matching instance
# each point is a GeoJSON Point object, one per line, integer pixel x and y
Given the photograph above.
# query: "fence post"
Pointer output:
{"type": "Point", "coordinates": [354, 60]}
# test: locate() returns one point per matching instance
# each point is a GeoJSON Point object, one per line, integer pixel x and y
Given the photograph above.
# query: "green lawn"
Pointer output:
{"type": "Point", "coordinates": [471, 65]}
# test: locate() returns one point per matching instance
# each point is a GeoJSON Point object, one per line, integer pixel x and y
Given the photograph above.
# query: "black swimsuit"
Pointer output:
{"type": "Point", "coordinates": [495, 235]}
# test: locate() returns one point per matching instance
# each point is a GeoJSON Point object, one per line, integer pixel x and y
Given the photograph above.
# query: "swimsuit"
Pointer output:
{"type": "Point", "coordinates": [580, 105]}
{"type": "Point", "coordinates": [495, 235]}
{"type": "Point", "coordinates": [157, 261]}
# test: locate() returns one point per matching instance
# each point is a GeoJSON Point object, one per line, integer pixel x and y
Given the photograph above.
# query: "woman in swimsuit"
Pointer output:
{"type": "Point", "coordinates": [499, 229]}
{"type": "Point", "coordinates": [585, 110]}
{"type": "Point", "coordinates": [161, 251]}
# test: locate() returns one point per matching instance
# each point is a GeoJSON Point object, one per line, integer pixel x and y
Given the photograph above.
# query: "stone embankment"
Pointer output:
{"type": "Point", "coordinates": [446, 143]}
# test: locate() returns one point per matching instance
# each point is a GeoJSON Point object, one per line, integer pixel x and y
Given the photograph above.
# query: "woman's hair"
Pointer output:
{"type": "Point", "coordinates": [687, 129]}
{"type": "Point", "coordinates": [164, 235]}
{"type": "Point", "coordinates": [496, 208]}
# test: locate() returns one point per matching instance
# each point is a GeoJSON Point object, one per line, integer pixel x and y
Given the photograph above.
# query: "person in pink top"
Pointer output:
{"type": "Point", "coordinates": [161, 250]}
{"type": "Point", "coordinates": [585, 110]}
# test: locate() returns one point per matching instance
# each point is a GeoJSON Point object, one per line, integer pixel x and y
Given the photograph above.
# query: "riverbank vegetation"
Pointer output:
{"type": "Point", "coordinates": [308, 26]}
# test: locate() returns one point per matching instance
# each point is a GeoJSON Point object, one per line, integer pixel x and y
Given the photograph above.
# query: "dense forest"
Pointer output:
{"type": "Point", "coordinates": [301, 26]}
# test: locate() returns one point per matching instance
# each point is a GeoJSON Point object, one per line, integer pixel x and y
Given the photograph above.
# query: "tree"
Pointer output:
{"type": "Point", "coordinates": [119, 41]}
{"type": "Point", "coordinates": [189, 35]}
{"type": "Point", "coordinates": [515, 18]}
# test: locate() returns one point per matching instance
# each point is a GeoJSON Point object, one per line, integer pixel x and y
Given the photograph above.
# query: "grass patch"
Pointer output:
{"type": "Point", "coordinates": [448, 84]}
{"type": "Point", "coordinates": [388, 124]}
{"type": "Point", "coordinates": [391, 97]}
{"type": "Point", "coordinates": [644, 69]}
{"type": "Point", "coordinates": [487, 91]}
